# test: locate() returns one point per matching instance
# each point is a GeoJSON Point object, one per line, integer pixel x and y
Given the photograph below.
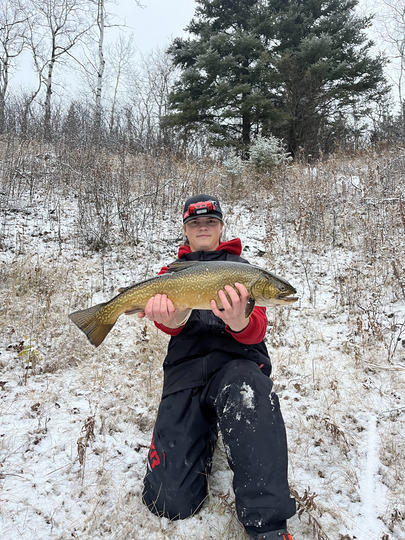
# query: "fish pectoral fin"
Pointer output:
{"type": "Point", "coordinates": [249, 307]}
{"type": "Point", "coordinates": [133, 310]}
{"type": "Point", "coordinates": [181, 316]}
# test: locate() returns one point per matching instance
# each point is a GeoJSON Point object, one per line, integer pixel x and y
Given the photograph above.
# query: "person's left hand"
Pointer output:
{"type": "Point", "coordinates": [233, 313]}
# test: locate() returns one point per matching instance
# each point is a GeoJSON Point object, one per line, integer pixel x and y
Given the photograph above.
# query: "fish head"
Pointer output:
{"type": "Point", "coordinates": [270, 290]}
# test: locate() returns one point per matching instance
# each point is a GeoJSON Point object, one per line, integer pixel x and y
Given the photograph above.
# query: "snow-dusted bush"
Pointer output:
{"type": "Point", "coordinates": [234, 166]}
{"type": "Point", "coordinates": [267, 152]}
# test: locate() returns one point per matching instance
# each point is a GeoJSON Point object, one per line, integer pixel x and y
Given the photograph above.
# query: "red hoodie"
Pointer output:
{"type": "Point", "coordinates": [255, 330]}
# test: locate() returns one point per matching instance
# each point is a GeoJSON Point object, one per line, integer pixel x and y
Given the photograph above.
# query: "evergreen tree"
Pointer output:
{"type": "Point", "coordinates": [323, 69]}
{"type": "Point", "coordinates": [283, 67]}
{"type": "Point", "coordinates": [227, 67]}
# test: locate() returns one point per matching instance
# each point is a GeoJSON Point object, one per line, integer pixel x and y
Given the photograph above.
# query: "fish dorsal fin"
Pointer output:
{"type": "Point", "coordinates": [178, 266]}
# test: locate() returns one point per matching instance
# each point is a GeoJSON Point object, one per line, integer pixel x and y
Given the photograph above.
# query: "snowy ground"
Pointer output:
{"type": "Point", "coordinates": [76, 421]}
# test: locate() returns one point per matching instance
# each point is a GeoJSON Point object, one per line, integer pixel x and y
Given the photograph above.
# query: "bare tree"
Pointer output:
{"type": "Point", "coordinates": [101, 26]}
{"type": "Point", "coordinates": [122, 55]}
{"type": "Point", "coordinates": [149, 96]}
{"type": "Point", "coordinates": [12, 24]}
{"type": "Point", "coordinates": [396, 36]}
{"type": "Point", "coordinates": [55, 28]}
{"type": "Point", "coordinates": [390, 27]}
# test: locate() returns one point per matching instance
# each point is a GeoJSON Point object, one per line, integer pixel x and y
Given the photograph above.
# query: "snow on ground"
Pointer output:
{"type": "Point", "coordinates": [76, 421]}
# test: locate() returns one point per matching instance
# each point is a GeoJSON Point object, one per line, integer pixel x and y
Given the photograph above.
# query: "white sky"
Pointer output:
{"type": "Point", "coordinates": [157, 22]}
{"type": "Point", "coordinates": [153, 26]}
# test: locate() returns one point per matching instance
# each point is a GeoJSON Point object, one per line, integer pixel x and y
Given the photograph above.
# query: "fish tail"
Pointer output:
{"type": "Point", "coordinates": [86, 320]}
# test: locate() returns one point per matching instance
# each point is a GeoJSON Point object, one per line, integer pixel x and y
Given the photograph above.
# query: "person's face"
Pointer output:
{"type": "Point", "coordinates": [203, 233]}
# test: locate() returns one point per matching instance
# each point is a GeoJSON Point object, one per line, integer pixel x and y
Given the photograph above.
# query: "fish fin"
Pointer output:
{"type": "Point", "coordinates": [123, 289]}
{"type": "Point", "coordinates": [182, 265]}
{"type": "Point", "coordinates": [250, 307]}
{"type": "Point", "coordinates": [86, 320]}
{"type": "Point", "coordinates": [181, 316]}
{"type": "Point", "coordinates": [133, 310]}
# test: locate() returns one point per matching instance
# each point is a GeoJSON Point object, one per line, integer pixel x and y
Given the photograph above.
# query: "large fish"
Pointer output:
{"type": "Point", "coordinates": [189, 285]}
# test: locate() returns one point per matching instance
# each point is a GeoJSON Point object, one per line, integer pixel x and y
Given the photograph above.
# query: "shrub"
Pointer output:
{"type": "Point", "coordinates": [268, 152]}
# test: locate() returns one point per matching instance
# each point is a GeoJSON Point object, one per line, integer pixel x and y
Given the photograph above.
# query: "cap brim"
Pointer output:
{"type": "Point", "coordinates": [189, 218]}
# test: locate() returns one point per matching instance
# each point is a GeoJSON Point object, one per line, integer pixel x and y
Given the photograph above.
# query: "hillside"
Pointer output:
{"type": "Point", "coordinates": [76, 422]}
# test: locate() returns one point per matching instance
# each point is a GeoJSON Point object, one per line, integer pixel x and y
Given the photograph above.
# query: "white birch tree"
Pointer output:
{"type": "Point", "coordinates": [100, 25]}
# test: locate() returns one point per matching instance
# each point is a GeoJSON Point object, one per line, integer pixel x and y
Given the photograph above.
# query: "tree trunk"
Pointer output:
{"type": "Point", "coordinates": [48, 96]}
{"type": "Point", "coordinates": [100, 71]}
{"type": "Point", "coordinates": [246, 128]}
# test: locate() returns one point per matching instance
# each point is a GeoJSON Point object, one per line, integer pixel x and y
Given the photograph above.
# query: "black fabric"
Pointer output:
{"type": "Point", "coordinates": [179, 461]}
{"type": "Point", "coordinates": [238, 399]}
{"type": "Point", "coordinates": [204, 346]}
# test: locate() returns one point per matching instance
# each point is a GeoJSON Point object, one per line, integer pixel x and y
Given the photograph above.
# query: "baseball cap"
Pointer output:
{"type": "Point", "coordinates": [201, 206]}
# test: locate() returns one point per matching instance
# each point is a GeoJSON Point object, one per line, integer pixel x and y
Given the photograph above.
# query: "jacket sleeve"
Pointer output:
{"type": "Point", "coordinates": [255, 330]}
{"type": "Point", "coordinates": [169, 331]}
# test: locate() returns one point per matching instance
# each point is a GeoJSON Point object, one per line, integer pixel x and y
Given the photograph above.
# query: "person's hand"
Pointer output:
{"type": "Point", "coordinates": [233, 313]}
{"type": "Point", "coordinates": [160, 309]}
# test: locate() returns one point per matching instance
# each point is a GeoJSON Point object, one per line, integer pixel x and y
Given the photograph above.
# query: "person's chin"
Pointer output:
{"type": "Point", "coordinates": [204, 246]}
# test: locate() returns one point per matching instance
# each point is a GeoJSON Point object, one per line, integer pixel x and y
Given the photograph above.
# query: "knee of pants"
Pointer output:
{"type": "Point", "coordinates": [241, 386]}
{"type": "Point", "coordinates": [239, 371]}
{"type": "Point", "coordinates": [173, 503]}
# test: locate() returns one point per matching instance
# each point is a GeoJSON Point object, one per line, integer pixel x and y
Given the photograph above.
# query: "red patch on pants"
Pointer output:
{"type": "Point", "coordinates": [154, 459]}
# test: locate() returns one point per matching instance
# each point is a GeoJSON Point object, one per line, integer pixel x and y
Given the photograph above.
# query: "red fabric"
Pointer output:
{"type": "Point", "coordinates": [169, 331]}
{"type": "Point", "coordinates": [255, 330]}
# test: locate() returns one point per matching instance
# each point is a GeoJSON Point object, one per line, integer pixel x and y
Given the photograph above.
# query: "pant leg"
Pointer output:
{"type": "Point", "coordinates": [180, 456]}
{"type": "Point", "coordinates": [254, 436]}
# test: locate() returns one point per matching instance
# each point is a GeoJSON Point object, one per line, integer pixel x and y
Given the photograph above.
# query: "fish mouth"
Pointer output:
{"type": "Point", "coordinates": [286, 299]}
{"type": "Point", "coordinates": [282, 299]}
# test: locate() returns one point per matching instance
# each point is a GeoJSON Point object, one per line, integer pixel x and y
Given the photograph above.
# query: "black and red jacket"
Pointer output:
{"type": "Point", "coordinates": [204, 344]}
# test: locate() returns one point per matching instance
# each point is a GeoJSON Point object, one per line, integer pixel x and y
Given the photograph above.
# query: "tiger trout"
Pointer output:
{"type": "Point", "coordinates": [189, 285]}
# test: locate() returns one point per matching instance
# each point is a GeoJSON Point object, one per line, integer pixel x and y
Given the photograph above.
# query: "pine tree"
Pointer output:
{"type": "Point", "coordinates": [323, 69]}
{"type": "Point", "coordinates": [281, 67]}
{"type": "Point", "coordinates": [226, 71]}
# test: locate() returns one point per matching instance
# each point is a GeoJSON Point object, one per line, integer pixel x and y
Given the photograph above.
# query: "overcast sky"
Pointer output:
{"type": "Point", "coordinates": [157, 22]}
{"type": "Point", "coordinates": [153, 25]}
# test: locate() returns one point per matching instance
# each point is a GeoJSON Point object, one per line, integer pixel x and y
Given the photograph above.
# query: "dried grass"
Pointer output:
{"type": "Point", "coordinates": [333, 229]}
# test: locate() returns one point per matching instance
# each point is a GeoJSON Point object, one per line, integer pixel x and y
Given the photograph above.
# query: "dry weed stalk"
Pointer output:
{"type": "Point", "coordinates": [83, 441]}
{"type": "Point", "coordinates": [395, 339]}
{"type": "Point", "coordinates": [337, 433]}
{"type": "Point", "coordinates": [401, 212]}
{"type": "Point", "coordinates": [306, 505]}
{"type": "Point", "coordinates": [399, 276]}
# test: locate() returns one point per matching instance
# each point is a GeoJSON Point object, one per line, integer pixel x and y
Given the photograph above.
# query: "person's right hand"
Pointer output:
{"type": "Point", "coordinates": [160, 309]}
